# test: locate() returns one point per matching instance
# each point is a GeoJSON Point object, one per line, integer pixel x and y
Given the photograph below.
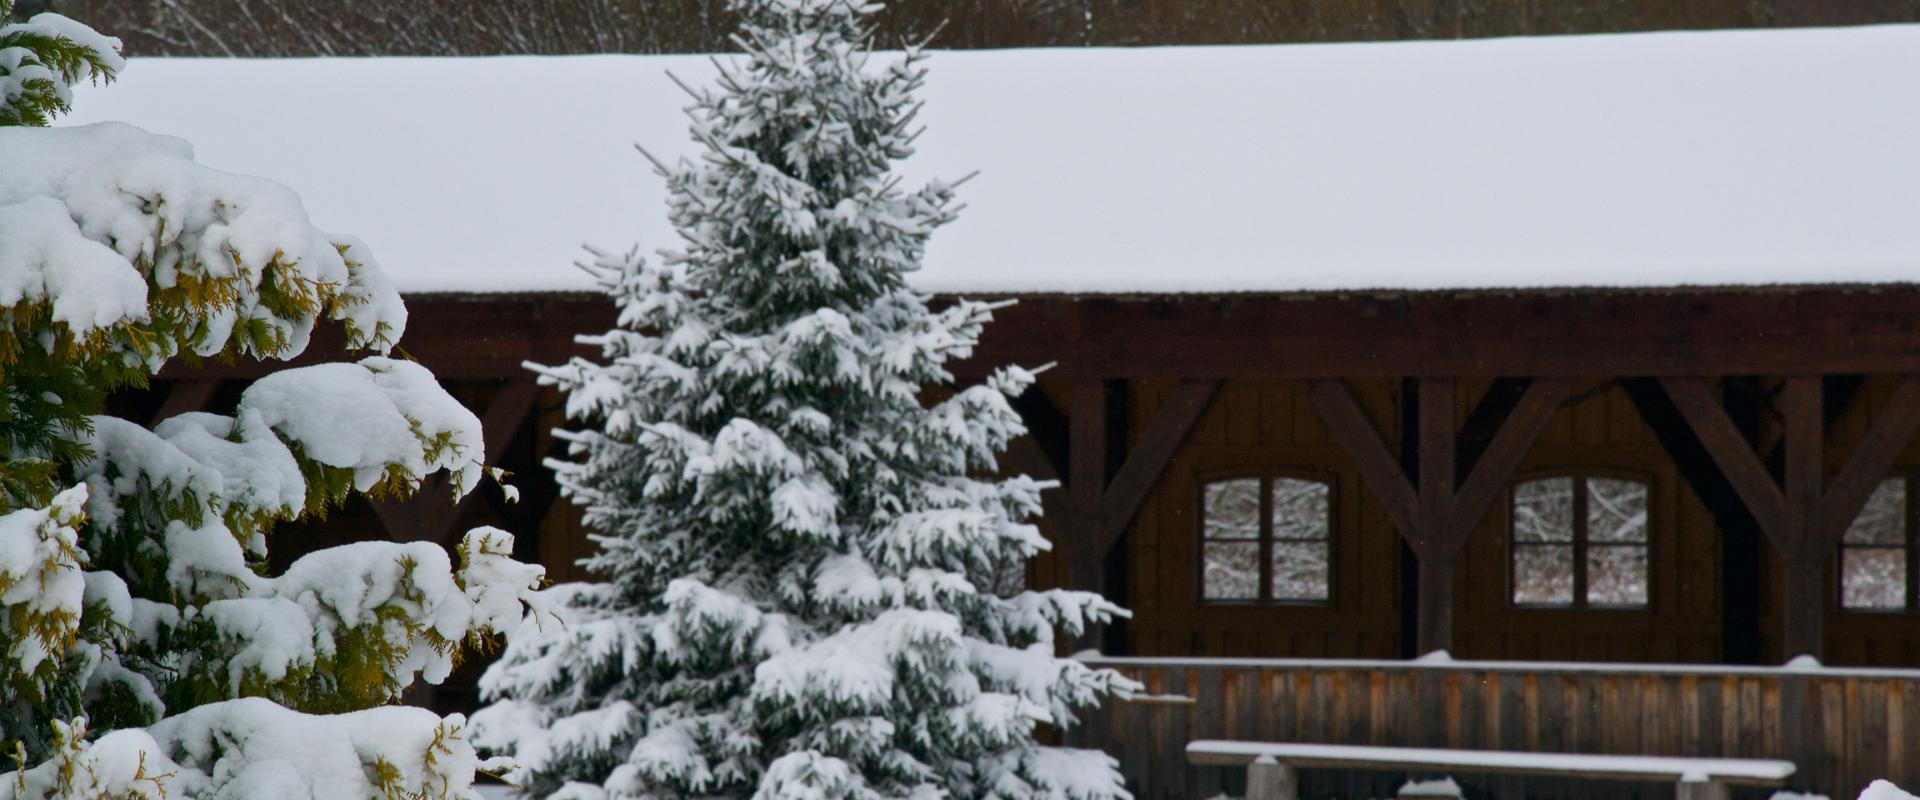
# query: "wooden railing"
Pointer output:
{"type": "Point", "coordinates": [1842, 727]}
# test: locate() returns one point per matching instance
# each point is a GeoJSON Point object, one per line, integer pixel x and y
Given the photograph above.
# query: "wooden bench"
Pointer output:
{"type": "Point", "coordinates": [1272, 766]}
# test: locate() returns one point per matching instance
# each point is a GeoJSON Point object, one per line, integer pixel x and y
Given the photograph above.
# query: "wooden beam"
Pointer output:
{"type": "Point", "coordinates": [1515, 436]}
{"type": "Point", "coordinates": [1476, 434]}
{"type": "Point", "coordinates": [1805, 455]}
{"type": "Point", "coordinates": [1435, 517]}
{"type": "Point", "coordinates": [1740, 537]}
{"type": "Point", "coordinates": [1735, 457]}
{"type": "Point", "coordinates": [1148, 458]}
{"type": "Point", "coordinates": [1803, 516]}
{"type": "Point", "coordinates": [1890, 433]}
{"type": "Point", "coordinates": [1805, 612]}
{"type": "Point", "coordinates": [1437, 468]}
{"type": "Point", "coordinates": [1087, 477]}
{"type": "Point", "coordinates": [1355, 334]}
{"type": "Point", "coordinates": [1047, 428]}
{"type": "Point", "coordinates": [1433, 606]}
{"type": "Point", "coordinates": [1379, 469]}
{"type": "Point", "coordinates": [1395, 334]}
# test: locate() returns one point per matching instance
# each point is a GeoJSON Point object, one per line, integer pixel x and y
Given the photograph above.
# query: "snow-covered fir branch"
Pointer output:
{"type": "Point", "coordinates": [145, 650]}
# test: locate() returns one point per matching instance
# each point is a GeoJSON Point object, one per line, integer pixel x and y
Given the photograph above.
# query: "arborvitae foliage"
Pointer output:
{"type": "Point", "coordinates": [144, 650]}
{"type": "Point", "coordinates": [799, 553]}
{"type": "Point", "coordinates": [41, 58]}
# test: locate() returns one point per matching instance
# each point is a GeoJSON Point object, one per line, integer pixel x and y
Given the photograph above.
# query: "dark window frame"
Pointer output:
{"type": "Point", "coordinates": [1910, 543]}
{"type": "Point", "coordinates": [1580, 543]}
{"type": "Point", "coordinates": [1265, 537]}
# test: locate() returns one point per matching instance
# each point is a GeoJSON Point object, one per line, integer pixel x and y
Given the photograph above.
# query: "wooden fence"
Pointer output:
{"type": "Point", "coordinates": [1842, 727]}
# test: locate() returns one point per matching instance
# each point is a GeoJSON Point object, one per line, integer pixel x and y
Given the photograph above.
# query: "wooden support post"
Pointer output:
{"type": "Point", "coordinates": [1803, 629]}
{"type": "Point", "coordinates": [1099, 512]}
{"type": "Point", "coordinates": [1437, 466]}
{"type": "Point", "coordinates": [1803, 517]}
{"type": "Point", "coordinates": [1805, 614]}
{"type": "Point", "coordinates": [1087, 465]}
{"type": "Point", "coordinates": [1433, 612]}
{"type": "Point", "coordinates": [1437, 513]}
{"type": "Point", "coordinates": [1268, 779]}
{"type": "Point", "coordinates": [1701, 790]}
{"type": "Point", "coordinates": [1434, 609]}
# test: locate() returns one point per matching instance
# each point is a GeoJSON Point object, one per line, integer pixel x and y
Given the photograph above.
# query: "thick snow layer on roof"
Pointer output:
{"type": "Point", "coordinates": [1723, 158]}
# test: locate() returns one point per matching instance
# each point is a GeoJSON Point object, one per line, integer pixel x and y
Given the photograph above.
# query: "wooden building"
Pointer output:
{"type": "Point", "coordinates": [1594, 363]}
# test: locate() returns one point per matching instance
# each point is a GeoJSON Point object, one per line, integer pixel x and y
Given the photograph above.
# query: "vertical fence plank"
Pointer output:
{"type": "Point", "coordinates": [1452, 690]}
{"type": "Point", "coordinates": [1407, 713]}
{"type": "Point", "coordinates": [1712, 715]}
{"type": "Point", "coordinates": [1432, 703]}
{"type": "Point", "coordinates": [1837, 745]}
{"type": "Point", "coordinates": [1692, 725]}
{"type": "Point", "coordinates": [1732, 743]}
{"type": "Point", "coordinates": [1208, 722]}
{"type": "Point", "coordinates": [1335, 686]}
{"type": "Point", "coordinates": [1841, 729]}
{"type": "Point", "coordinates": [1285, 713]}
{"type": "Point", "coordinates": [1270, 710]}
{"type": "Point", "coordinates": [1867, 715]}
{"type": "Point", "coordinates": [1164, 775]}
{"type": "Point", "coordinates": [1900, 697]}
{"type": "Point", "coordinates": [1378, 707]}
{"type": "Point", "coordinates": [1134, 745]}
{"type": "Point", "coordinates": [1252, 708]}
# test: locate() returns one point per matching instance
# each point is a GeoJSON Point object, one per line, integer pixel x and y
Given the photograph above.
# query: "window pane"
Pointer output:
{"type": "Point", "coordinates": [1883, 519]}
{"type": "Point", "coordinates": [1231, 509]}
{"type": "Point", "coordinates": [1232, 571]}
{"type": "Point", "coordinates": [1543, 511]}
{"type": "Point", "coordinates": [1873, 577]}
{"type": "Point", "coordinates": [1617, 575]}
{"type": "Point", "coordinates": [1300, 509]}
{"type": "Point", "coordinates": [1616, 510]}
{"type": "Point", "coordinates": [1543, 575]}
{"type": "Point", "coordinates": [1299, 570]}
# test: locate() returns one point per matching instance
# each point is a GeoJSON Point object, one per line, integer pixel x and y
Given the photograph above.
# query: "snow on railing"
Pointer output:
{"type": "Point", "coordinates": [1802, 665]}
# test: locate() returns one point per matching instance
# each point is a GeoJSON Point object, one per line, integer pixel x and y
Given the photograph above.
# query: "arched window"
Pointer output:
{"type": "Point", "coordinates": [1876, 552]}
{"type": "Point", "coordinates": [1265, 539]}
{"type": "Point", "coordinates": [1579, 541]}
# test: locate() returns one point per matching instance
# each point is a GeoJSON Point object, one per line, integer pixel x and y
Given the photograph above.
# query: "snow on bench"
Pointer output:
{"type": "Point", "coordinates": [1271, 766]}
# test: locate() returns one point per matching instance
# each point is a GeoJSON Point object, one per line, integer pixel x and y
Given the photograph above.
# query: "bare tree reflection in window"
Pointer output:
{"type": "Point", "coordinates": [1301, 522]}
{"type": "Point", "coordinates": [1616, 542]}
{"type": "Point", "coordinates": [1543, 542]}
{"type": "Point", "coordinates": [1873, 552]}
{"type": "Point", "coordinates": [1230, 515]}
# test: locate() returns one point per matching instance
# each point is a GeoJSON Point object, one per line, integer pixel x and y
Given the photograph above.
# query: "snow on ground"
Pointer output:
{"type": "Point", "coordinates": [1434, 787]}
{"type": "Point", "coordinates": [1718, 158]}
{"type": "Point", "coordinates": [1882, 790]}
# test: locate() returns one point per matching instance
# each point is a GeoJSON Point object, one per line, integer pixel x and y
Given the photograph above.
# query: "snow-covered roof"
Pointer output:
{"type": "Point", "coordinates": [1670, 159]}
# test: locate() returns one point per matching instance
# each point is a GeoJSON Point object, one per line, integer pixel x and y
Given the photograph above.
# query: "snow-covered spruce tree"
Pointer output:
{"type": "Point", "coordinates": [144, 651]}
{"type": "Point", "coordinates": [795, 546]}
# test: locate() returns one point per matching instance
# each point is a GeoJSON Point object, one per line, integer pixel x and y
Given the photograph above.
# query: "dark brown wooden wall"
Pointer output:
{"type": "Point", "coordinates": [1599, 429]}
{"type": "Point", "coordinates": [481, 27]}
{"type": "Point", "coordinates": [1271, 423]}
{"type": "Point", "coordinates": [1262, 424]}
{"type": "Point", "coordinates": [1841, 729]}
{"type": "Point", "coordinates": [1852, 637]}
